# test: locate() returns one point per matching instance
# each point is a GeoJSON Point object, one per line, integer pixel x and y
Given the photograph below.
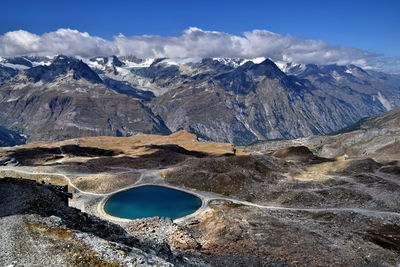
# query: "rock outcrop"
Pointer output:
{"type": "Point", "coordinates": [10, 138]}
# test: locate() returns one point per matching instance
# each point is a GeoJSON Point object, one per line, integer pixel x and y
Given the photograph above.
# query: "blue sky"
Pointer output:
{"type": "Point", "coordinates": [371, 26]}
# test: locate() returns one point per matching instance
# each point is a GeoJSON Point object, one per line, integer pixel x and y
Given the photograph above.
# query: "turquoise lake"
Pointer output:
{"type": "Point", "coordinates": [149, 201]}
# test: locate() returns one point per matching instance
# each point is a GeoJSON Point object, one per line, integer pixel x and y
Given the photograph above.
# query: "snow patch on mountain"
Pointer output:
{"type": "Point", "coordinates": [290, 68]}
{"type": "Point", "coordinates": [145, 63]}
{"type": "Point", "coordinates": [236, 62]}
{"type": "Point", "coordinates": [349, 71]}
{"type": "Point", "coordinates": [15, 66]}
{"type": "Point", "coordinates": [181, 61]}
{"type": "Point", "coordinates": [386, 103]}
{"type": "Point", "coordinates": [336, 75]}
{"type": "Point", "coordinates": [257, 60]}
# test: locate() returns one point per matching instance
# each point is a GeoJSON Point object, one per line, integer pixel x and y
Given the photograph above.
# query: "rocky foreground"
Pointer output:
{"type": "Point", "coordinates": [278, 206]}
{"type": "Point", "coordinates": [39, 229]}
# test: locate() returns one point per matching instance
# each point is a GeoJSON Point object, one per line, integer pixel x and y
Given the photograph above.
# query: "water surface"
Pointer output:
{"type": "Point", "coordinates": [149, 201]}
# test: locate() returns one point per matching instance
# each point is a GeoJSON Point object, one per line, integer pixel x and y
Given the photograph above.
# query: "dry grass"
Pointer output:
{"type": "Point", "coordinates": [53, 233]}
{"type": "Point", "coordinates": [322, 171]}
{"type": "Point", "coordinates": [105, 183]}
{"type": "Point", "coordinates": [134, 145]}
{"type": "Point", "coordinates": [84, 258]}
{"type": "Point", "coordinates": [53, 179]}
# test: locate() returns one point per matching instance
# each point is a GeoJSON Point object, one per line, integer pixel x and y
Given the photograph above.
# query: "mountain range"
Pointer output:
{"type": "Point", "coordinates": [226, 100]}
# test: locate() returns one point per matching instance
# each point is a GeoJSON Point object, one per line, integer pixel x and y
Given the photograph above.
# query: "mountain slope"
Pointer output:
{"type": "Point", "coordinates": [389, 119]}
{"type": "Point", "coordinates": [377, 137]}
{"type": "Point", "coordinates": [253, 102]}
{"type": "Point", "coordinates": [10, 138]}
{"type": "Point", "coordinates": [6, 73]}
{"type": "Point", "coordinates": [230, 101]}
{"type": "Point", "coordinates": [225, 100]}
{"type": "Point", "coordinates": [67, 99]}
{"type": "Point", "coordinates": [373, 92]}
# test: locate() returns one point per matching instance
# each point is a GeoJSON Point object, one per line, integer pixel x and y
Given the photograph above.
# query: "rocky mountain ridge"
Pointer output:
{"type": "Point", "coordinates": [226, 100]}
{"type": "Point", "coordinates": [377, 137]}
{"type": "Point", "coordinates": [67, 99]}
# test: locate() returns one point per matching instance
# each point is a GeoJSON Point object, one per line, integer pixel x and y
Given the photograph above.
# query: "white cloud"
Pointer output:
{"type": "Point", "coordinates": [193, 42]}
{"type": "Point", "coordinates": [63, 41]}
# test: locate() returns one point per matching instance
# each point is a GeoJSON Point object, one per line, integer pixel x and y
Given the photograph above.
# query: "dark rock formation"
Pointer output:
{"type": "Point", "coordinates": [6, 73]}
{"type": "Point", "coordinates": [60, 66]}
{"type": "Point", "coordinates": [10, 138]}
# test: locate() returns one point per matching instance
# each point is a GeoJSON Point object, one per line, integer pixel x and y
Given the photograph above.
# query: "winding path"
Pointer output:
{"type": "Point", "coordinates": [208, 196]}
{"type": "Point", "coordinates": [54, 174]}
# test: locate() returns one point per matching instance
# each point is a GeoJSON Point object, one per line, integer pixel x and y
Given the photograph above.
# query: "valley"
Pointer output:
{"type": "Point", "coordinates": [295, 165]}
{"type": "Point", "coordinates": [218, 99]}
{"type": "Point", "coordinates": [276, 203]}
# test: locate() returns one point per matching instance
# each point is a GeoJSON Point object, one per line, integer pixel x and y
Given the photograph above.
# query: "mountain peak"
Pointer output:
{"type": "Point", "coordinates": [60, 66]}
{"type": "Point", "coordinates": [117, 62]}
{"type": "Point", "coordinates": [265, 68]}
{"type": "Point", "coordinates": [61, 59]}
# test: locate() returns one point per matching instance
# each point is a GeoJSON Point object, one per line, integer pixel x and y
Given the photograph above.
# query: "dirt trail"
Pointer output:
{"type": "Point", "coordinates": [152, 176]}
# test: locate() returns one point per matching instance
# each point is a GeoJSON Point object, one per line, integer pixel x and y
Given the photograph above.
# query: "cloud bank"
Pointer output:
{"type": "Point", "coordinates": [193, 42]}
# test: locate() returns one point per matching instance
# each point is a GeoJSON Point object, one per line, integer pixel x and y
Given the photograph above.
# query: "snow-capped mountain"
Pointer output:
{"type": "Point", "coordinates": [222, 99]}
